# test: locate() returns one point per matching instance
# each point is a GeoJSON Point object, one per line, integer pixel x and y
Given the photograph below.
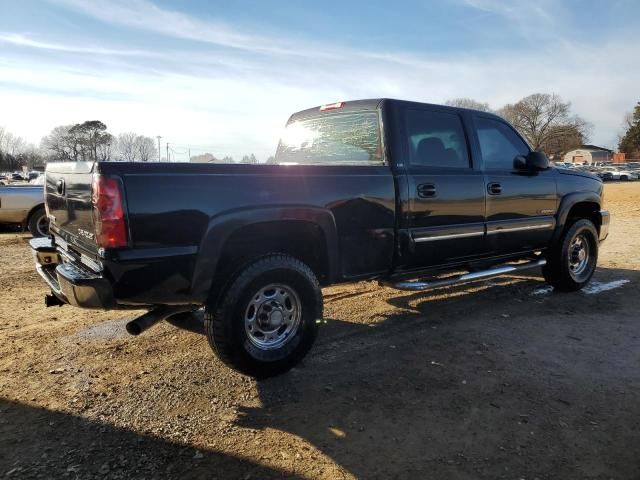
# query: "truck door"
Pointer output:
{"type": "Point", "coordinates": [446, 194]}
{"type": "Point", "coordinates": [520, 204]}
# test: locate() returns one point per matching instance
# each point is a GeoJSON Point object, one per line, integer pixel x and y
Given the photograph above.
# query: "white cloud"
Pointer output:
{"type": "Point", "coordinates": [520, 11]}
{"type": "Point", "coordinates": [144, 15]}
{"type": "Point", "coordinates": [24, 41]}
{"type": "Point", "coordinates": [238, 98]}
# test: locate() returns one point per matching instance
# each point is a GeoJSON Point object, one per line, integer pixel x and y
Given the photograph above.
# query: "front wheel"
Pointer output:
{"type": "Point", "coordinates": [39, 223]}
{"type": "Point", "coordinates": [266, 321]}
{"type": "Point", "coordinates": [572, 263]}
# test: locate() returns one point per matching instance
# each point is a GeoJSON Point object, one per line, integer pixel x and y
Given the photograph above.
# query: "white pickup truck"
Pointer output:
{"type": "Point", "coordinates": [24, 205]}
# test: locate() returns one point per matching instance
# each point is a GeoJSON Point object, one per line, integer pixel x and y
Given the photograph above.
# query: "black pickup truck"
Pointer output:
{"type": "Point", "coordinates": [416, 196]}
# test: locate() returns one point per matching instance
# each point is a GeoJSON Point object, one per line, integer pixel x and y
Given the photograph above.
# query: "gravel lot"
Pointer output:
{"type": "Point", "coordinates": [503, 379]}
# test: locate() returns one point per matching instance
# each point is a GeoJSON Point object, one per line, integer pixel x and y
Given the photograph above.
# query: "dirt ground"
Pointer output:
{"type": "Point", "coordinates": [503, 379]}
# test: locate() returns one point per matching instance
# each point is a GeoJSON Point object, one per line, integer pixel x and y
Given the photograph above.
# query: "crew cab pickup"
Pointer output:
{"type": "Point", "coordinates": [413, 195]}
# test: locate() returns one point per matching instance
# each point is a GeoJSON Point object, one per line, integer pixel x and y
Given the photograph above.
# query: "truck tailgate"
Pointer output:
{"type": "Point", "coordinates": [68, 199]}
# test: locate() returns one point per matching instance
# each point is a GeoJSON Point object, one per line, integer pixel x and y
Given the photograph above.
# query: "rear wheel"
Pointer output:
{"type": "Point", "coordinates": [265, 322]}
{"type": "Point", "coordinates": [572, 263]}
{"type": "Point", "coordinates": [38, 223]}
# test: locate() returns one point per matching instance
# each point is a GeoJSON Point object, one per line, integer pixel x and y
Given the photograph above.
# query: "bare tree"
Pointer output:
{"type": "Point", "coordinates": [3, 134]}
{"type": "Point", "coordinates": [56, 144]}
{"type": "Point", "coordinates": [469, 103]}
{"type": "Point", "coordinates": [83, 141]}
{"type": "Point", "coordinates": [145, 148]}
{"type": "Point", "coordinates": [544, 119]}
{"type": "Point", "coordinates": [127, 146]}
{"type": "Point", "coordinates": [15, 152]}
{"type": "Point", "coordinates": [105, 151]}
{"type": "Point", "coordinates": [564, 139]}
{"type": "Point", "coordinates": [249, 159]}
{"type": "Point", "coordinates": [10, 143]}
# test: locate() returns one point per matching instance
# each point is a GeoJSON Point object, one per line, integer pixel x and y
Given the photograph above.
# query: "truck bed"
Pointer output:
{"type": "Point", "coordinates": [180, 215]}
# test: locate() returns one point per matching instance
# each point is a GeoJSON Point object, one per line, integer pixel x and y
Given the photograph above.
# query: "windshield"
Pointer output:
{"type": "Point", "coordinates": [341, 138]}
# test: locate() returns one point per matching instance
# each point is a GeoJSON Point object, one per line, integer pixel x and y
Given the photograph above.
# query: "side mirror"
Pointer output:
{"type": "Point", "coordinates": [520, 162]}
{"type": "Point", "coordinates": [537, 161]}
{"type": "Point", "coordinates": [533, 161]}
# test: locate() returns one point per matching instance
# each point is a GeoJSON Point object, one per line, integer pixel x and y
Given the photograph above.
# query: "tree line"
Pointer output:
{"type": "Point", "coordinates": [90, 141]}
{"type": "Point", "coordinates": [16, 152]}
{"type": "Point", "coordinates": [210, 158]}
{"type": "Point", "coordinates": [87, 141]}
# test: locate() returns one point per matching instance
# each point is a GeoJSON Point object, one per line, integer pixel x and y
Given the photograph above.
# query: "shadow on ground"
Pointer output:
{"type": "Point", "coordinates": [500, 383]}
{"type": "Point", "coordinates": [39, 443]}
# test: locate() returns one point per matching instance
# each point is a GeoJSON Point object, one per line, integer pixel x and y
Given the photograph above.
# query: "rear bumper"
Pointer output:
{"type": "Point", "coordinates": [605, 218]}
{"type": "Point", "coordinates": [68, 282]}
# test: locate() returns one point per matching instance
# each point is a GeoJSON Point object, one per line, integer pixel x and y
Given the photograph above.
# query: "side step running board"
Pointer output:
{"type": "Point", "coordinates": [467, 277]}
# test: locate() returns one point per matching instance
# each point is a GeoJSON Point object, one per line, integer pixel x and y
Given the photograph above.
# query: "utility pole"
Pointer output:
{"type": "Point", "coordinates": [168, 159]}
{"type": "Point", "coordinates": [158, 137]}
{"type": "Point", "coordinates": [189, 154]}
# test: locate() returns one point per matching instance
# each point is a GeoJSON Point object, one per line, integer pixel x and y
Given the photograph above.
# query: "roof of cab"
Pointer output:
{"type": "Point", "coordinates": [347, 106]}
{"type": "Point", "coordinates": [373, 104]}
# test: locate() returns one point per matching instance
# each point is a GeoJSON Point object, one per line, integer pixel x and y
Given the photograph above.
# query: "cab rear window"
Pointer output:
{"type": "Point", "coordinates": [335, 139]}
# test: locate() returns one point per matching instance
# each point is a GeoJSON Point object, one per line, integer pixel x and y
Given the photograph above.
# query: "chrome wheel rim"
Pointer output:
{"type": "Point", "coordinates": [42, 226]}
{"type": "Point", "coordinates": [579, 256]}
{"type": "Point", "coordinates": [272, 317]}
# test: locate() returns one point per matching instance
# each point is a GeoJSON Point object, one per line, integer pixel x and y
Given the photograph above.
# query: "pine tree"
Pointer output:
{"type": "Point", "coordinates": [630, 142]}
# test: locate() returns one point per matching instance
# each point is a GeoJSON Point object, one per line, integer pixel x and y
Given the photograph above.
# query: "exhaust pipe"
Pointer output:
{"type": "Point", "coordinates": [149, 319]}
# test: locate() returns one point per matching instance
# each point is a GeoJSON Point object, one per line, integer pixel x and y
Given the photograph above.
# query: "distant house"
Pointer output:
{"type": "Point", "coordinates": [588, 154]}
{"type": "Point", "coordinates": [619, 157]}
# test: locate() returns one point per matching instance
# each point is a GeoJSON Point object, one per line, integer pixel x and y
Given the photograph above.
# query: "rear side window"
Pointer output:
{"type": "Point", "coordinates": [436, 139]}
{"type": "Point", "coordinates": [334, 139]}
{"type": "Point", "coordinates": [499, 144]}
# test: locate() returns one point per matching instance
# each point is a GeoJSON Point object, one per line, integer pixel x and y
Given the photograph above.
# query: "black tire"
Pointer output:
{"type": "Point", "coordinates": [38, 223]}
{"type": "Point", "coordinates": [235, 337]}
{"type": "Point", "coordinates": [566, 269]}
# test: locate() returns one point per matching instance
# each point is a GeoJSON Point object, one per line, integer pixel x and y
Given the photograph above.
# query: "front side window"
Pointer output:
{"type": "Point", "coordinates": [436, 139]}
{"type": "Point", "coordinates": [334, 139]}
{"type": "Point", "coordinates": [499, 144]}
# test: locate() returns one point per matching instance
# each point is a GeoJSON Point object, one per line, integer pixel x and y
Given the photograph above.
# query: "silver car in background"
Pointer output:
{"type": "Point", "coordinates": [24, 205]}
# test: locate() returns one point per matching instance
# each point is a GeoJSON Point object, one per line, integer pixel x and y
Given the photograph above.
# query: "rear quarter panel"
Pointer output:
{"type": "Point", "coordinates": [180, 215]}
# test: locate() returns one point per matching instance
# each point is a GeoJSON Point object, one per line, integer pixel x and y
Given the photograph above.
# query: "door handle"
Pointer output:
{"type": "Point", "coordinates": [494, 188]}
{"type": "Point", "coordinates": [426, 190]}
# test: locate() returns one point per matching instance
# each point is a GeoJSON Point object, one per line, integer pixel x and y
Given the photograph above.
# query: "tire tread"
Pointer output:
{"type": "Point", "coordinates": [219, 330]}
{"type": "Point", "coordinates": [555, 272]}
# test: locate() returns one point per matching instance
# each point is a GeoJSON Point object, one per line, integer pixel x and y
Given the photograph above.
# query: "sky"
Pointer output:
{"type": "Point", "coordinates": [223, 77]}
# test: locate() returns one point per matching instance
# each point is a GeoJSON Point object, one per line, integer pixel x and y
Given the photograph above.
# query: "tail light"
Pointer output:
{"type": "Point", "coordinates": [331, 106]}
{"type": "Point", "coordinates": [108, 212]}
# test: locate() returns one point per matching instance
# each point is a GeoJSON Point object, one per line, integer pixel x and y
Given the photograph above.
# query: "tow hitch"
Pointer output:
{"type": "Point", "coordinates": [53, 301]}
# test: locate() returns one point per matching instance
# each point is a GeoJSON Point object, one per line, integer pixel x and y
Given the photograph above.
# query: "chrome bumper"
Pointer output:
{"type": "Point", "coordinates": [70, 283]}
